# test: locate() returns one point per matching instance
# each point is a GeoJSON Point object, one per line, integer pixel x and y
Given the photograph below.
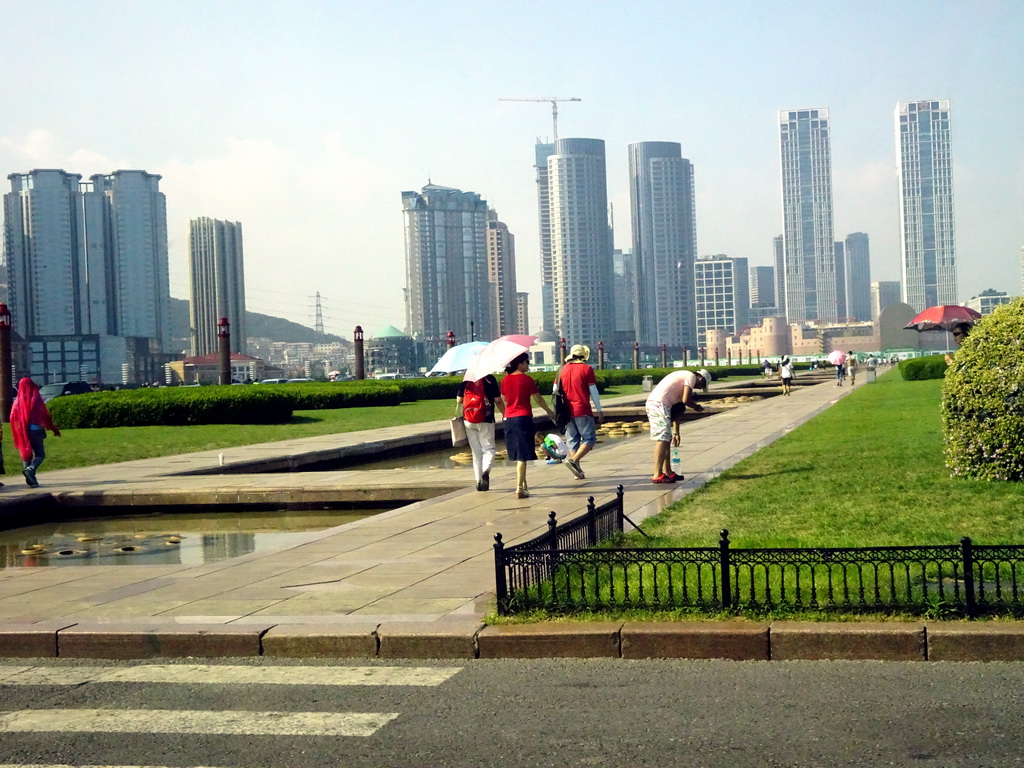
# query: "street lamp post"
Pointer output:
{"type": "Point", "coordinates": [6, 384]}
{"type": "Point", "coordinates": [224, 348]}
{"type": "Point", "coordinates": [636, 355]}
{"type": "Point", "coordinates": [357, 353]}
{"type": "Point", "coordinates": [600, 355]}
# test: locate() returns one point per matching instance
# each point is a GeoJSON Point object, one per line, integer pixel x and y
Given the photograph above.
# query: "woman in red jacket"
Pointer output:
{"type": "Point", "coordinates": [29, 421]}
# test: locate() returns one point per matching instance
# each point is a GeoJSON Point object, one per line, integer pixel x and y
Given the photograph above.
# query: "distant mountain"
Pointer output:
{"type": "Point", "coordinates": [256, 325]}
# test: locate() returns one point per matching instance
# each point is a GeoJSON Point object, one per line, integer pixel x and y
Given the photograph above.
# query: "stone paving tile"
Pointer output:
{"type": "Point", "coordinates": [219, 607]}
{"type": "Point", "coordinates": [410, 606]}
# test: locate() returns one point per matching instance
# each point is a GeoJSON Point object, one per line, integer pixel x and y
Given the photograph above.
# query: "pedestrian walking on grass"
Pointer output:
{"type": "Point", "coordinates": [30, 419]}
{"type": "Point", "coordinates": [519, 390]}
{"type": "Point", "coordinates": [579, 385]}
{"type": "Point", "coordinates": [475, 401]}
{"type": "Point", "coordinates": [677, 387]}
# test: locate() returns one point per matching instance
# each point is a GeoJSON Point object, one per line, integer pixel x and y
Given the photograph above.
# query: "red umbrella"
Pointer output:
{"type": "Point", "coordinates": [942, 318]}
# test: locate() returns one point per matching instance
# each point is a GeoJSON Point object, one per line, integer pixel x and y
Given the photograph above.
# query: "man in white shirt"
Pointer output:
{"type": "Point", "coordinates": [675, 388]}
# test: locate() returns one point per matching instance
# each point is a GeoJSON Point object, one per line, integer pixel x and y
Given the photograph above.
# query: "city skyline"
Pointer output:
{"type": "Point", "coordinates": [300, 144]}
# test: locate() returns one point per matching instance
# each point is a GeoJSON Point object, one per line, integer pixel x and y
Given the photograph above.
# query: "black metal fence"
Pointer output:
{"type": "Point", "coordinates": [558, 571]}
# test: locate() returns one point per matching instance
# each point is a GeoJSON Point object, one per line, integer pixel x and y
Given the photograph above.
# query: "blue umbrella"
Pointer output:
{"type": "Point", "coordinates": [459, 357]}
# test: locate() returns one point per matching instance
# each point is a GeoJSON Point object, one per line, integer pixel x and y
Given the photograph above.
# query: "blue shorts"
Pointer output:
{"type": "Point", "coordinates": [579, 430]}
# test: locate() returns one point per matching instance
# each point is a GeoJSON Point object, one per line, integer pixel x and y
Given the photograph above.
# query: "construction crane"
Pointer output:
{"type": "Point", "coordinates": [554, 106]}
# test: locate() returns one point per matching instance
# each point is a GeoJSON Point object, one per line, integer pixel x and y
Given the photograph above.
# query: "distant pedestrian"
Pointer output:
{"type": "Point", "coordinates": [677, 387]}
{"type": "Point", "coordinates": [851, 367]}
{"type": "Point", "coordinates": [840, 373]}
{"type": "Point", "coordinates": [579, 385]}
{"type": "Point", "coordinates": [518, 389]}
{"type": "Point", "coordinates": [786, 374]}
{"type": "Point", "coordinates": [475, 401]}
{"type": "Point", "coordinates": [30, 419]}
{"type": "Point", "coordinates": [766, 368]}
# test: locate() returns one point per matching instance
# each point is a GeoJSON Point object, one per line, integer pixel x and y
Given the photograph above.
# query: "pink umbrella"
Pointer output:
{"type": "Point", "coordinates": [498, 354]}
{"type": "Point", "coordinates": [837, 357]}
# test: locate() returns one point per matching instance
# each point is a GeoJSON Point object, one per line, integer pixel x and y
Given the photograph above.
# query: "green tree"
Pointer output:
{"type": "Point", "coordinates": [983, 399]}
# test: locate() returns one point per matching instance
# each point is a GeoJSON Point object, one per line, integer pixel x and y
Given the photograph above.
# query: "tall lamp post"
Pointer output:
{"type": "Point", "coordinates": [600, 355]}
{"type": "Point", "coordinates": [357, 353]}
{"type": "Point", "coordinates": [224, 348]}
{"type": "Point", "coordinates": [6, 385]}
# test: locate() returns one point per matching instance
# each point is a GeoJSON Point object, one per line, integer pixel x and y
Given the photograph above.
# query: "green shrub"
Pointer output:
{"type": "Point", "coordinates": [983, 399]}
{"type": "Point", "coordinates": [921, 368]}
{"type": "Point", "coordinates": [319, 396]}
{"type": "Point", "coordinates": [173, 406]}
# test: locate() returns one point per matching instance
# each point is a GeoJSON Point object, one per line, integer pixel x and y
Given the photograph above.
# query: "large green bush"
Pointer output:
{"type": "Point", "coordinates": [983, 399]}
{"type": "Point", "coordinates": [921, 368]}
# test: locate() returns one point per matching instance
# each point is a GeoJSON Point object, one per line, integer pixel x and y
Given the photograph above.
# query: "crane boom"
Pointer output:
{"type": "Point", "coordinates": [554, 106]}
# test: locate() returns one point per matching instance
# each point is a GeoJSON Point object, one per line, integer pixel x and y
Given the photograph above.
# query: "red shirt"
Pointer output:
{"type": "Point", "coordinates": [517, 388]}
{"type": "Point", "coordinates": [575, 380]}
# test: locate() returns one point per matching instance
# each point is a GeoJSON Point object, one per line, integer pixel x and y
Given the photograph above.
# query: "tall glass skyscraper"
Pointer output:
{"type": "Point", "coordinates": [581, 242]}
{"type": "Point", "coordinates": [857, 278]}
{"type": "Point", "coordinates": [925, 175]}
{"type": "Point", "coordinates": [216, 283]}
{"type": "Point", "coordinates": [446, 265]}
{"type": "Point", "coordinates": [808, 245]}
{"type": "Point", "coordinates": [664, 243]}
{"type": "Point", "coordinates": [547, 278]}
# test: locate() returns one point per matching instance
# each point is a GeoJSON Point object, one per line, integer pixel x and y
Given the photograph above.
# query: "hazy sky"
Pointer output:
{"type": "Point", "coordinates": [306, 120]}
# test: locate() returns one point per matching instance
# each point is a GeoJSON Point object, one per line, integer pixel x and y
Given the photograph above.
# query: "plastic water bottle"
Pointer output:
{"type": "Point", "coordinates": [677, 461]}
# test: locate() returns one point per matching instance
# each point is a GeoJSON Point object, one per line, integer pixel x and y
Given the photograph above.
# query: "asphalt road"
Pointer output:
{"type": "Point", "coordinates": [523, 713]}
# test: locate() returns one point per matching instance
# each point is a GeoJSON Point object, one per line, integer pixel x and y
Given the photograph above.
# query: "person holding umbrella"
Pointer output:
{"type": "Point", "coordinates": [475, 401]}
{"type": "Point", "coordinates": [519, 390]}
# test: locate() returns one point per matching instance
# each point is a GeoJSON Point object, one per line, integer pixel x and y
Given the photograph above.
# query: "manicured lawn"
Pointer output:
{"type": "Point", "coordinates": [869, 471]}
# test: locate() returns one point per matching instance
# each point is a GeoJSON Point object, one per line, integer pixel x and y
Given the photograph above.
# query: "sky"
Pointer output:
{"type": "Point", "coordinates": [306, 120]}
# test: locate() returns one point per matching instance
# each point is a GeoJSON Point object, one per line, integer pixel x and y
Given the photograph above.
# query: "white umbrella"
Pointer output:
{"type": "Point", "coordinates": [458, 358]}
{"type": "Point", "coordinates": [837, 357]}
{"type": "Point", "coordinates": [498, 354]}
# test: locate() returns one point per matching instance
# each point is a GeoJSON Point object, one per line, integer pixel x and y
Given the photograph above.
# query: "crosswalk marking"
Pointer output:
{"type": "Point", "coordinates": [193, 674]}
{"type": "Point", "coordinates": [189, 721]}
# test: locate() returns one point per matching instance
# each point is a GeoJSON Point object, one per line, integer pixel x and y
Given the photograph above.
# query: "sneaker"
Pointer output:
{"type": "Point", "coordinates": [30, 477]}
{"type": "Point", "coordinates": [480, 485]}
{"type": "Point", "coordinates": [574, 467]}
{"type": "Point", "coordinates": [485, 481]}
{"type": "Point", "coordinates": [673, 477]}
{"type": "Point", "coordinates": [661, 479]}
{"type": "Point", "coordinates": [522, 492]}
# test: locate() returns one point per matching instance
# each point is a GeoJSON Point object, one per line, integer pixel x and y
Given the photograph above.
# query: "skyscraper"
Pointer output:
{"type": "Point", "coordinates": [88, 275]}
{"type": "Point", "coordinates": [446, 265]}
{"type": "Point", "coordinates": [501, 273]}
{"type": "Point", "coordinates": [925, 175]}
{"type": "Point", "coordinates": [664, 243]}
{"type": "Point", "coordinates": [857, 276]}
{"type": "Point", "coordinates": [810, 274]}
{"type": "Point", "coordinates": [883, 293]}
{"type": "Point", "coordinates": [547, 279]}
{"type": "Point", "coordinates": [581, 247]}
{"type": "Point", "coordinates": [216, 283]}
{"type": "Point", "coordinates": [762, 287]}
{"type": "Point", "coordinates": [723, 294]}
{"type": "Point", "coordinates": [624, 292]}
{"type": "Point", "coordinates": [779, 253]}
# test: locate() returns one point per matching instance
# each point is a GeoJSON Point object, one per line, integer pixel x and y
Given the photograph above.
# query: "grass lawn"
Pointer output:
{"type": "Point", "coordinates": [86, 447]}
{"type": "Point", "coordinates": [868, 471]}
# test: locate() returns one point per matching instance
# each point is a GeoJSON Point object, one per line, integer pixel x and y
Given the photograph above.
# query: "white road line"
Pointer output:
{"type": "Point", "coordinates": [194, 674]}
{"type": "Point", "coordinates": [64, 765]}
{"type": "Point", "coordinates": [185, 721]}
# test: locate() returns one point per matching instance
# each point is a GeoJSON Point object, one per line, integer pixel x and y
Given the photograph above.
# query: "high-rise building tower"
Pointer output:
{"type": "Point", "coordinates": [446, 266]}
{"type": "Point", "coordinates": [581, 247]}
{"type": "Point", "coordinates": [857, 276]}
{"type": "Point", "coordinates": [809, 248]}
{"type": "Point", "coordinates": [883, 293]}
{"type": "Point", "coordinates": [779, 254]}
{"type": "Point", "coordinates": [723, 294]}
{"type": "Point", "coordinates": [762, 287]}
{"type": "Point", "coordinates": [925, 174]}
{"type": "Point", "coordinates": [547, 270]}
{"type": "Point", "coordinates": [88, 275]}
{"type": "Point", "coordinates": [501, 273]}
{"type": "Point", "coordinates": [664, 243]}
{"type": "Point", "coordinates": [216, 283]}
{"type": "Point", "coordinates": [45, 253]}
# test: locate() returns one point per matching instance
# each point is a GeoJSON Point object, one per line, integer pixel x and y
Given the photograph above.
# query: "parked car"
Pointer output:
{"type": "Point", "coordinates": [272, 381]}
{"type": "Point", "coordinates": [50, 391]}
{"type": "Point", "coordinates": [298, 381]}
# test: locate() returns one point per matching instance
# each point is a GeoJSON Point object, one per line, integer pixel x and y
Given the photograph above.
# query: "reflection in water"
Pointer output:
{"type": "Point", "coordinates": [166, 539]}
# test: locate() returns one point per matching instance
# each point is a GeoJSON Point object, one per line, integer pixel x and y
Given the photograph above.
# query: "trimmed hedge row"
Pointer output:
{"type": "Point", "coordinates": [178, 406]}
{"type": "Point", "coordinates": [921, 368]}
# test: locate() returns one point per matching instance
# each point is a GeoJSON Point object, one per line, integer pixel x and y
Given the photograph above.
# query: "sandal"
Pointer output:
{"type": "Point", "coordinates": [661, 480]}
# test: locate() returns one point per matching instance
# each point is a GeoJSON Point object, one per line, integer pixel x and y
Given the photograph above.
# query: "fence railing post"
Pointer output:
{"type": "Point", "coordinates": [591, 522]}
{"type": "Point", "coordinates": [724, 565]}
{"type": "Point", "coordinates": [500, 583]}
{"type": "Point", "coordinates": [967, 554]}
{"type": "Point", "coordinates": [621, 509]}
{"type": "Point", "coordinates": [552, 554]}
